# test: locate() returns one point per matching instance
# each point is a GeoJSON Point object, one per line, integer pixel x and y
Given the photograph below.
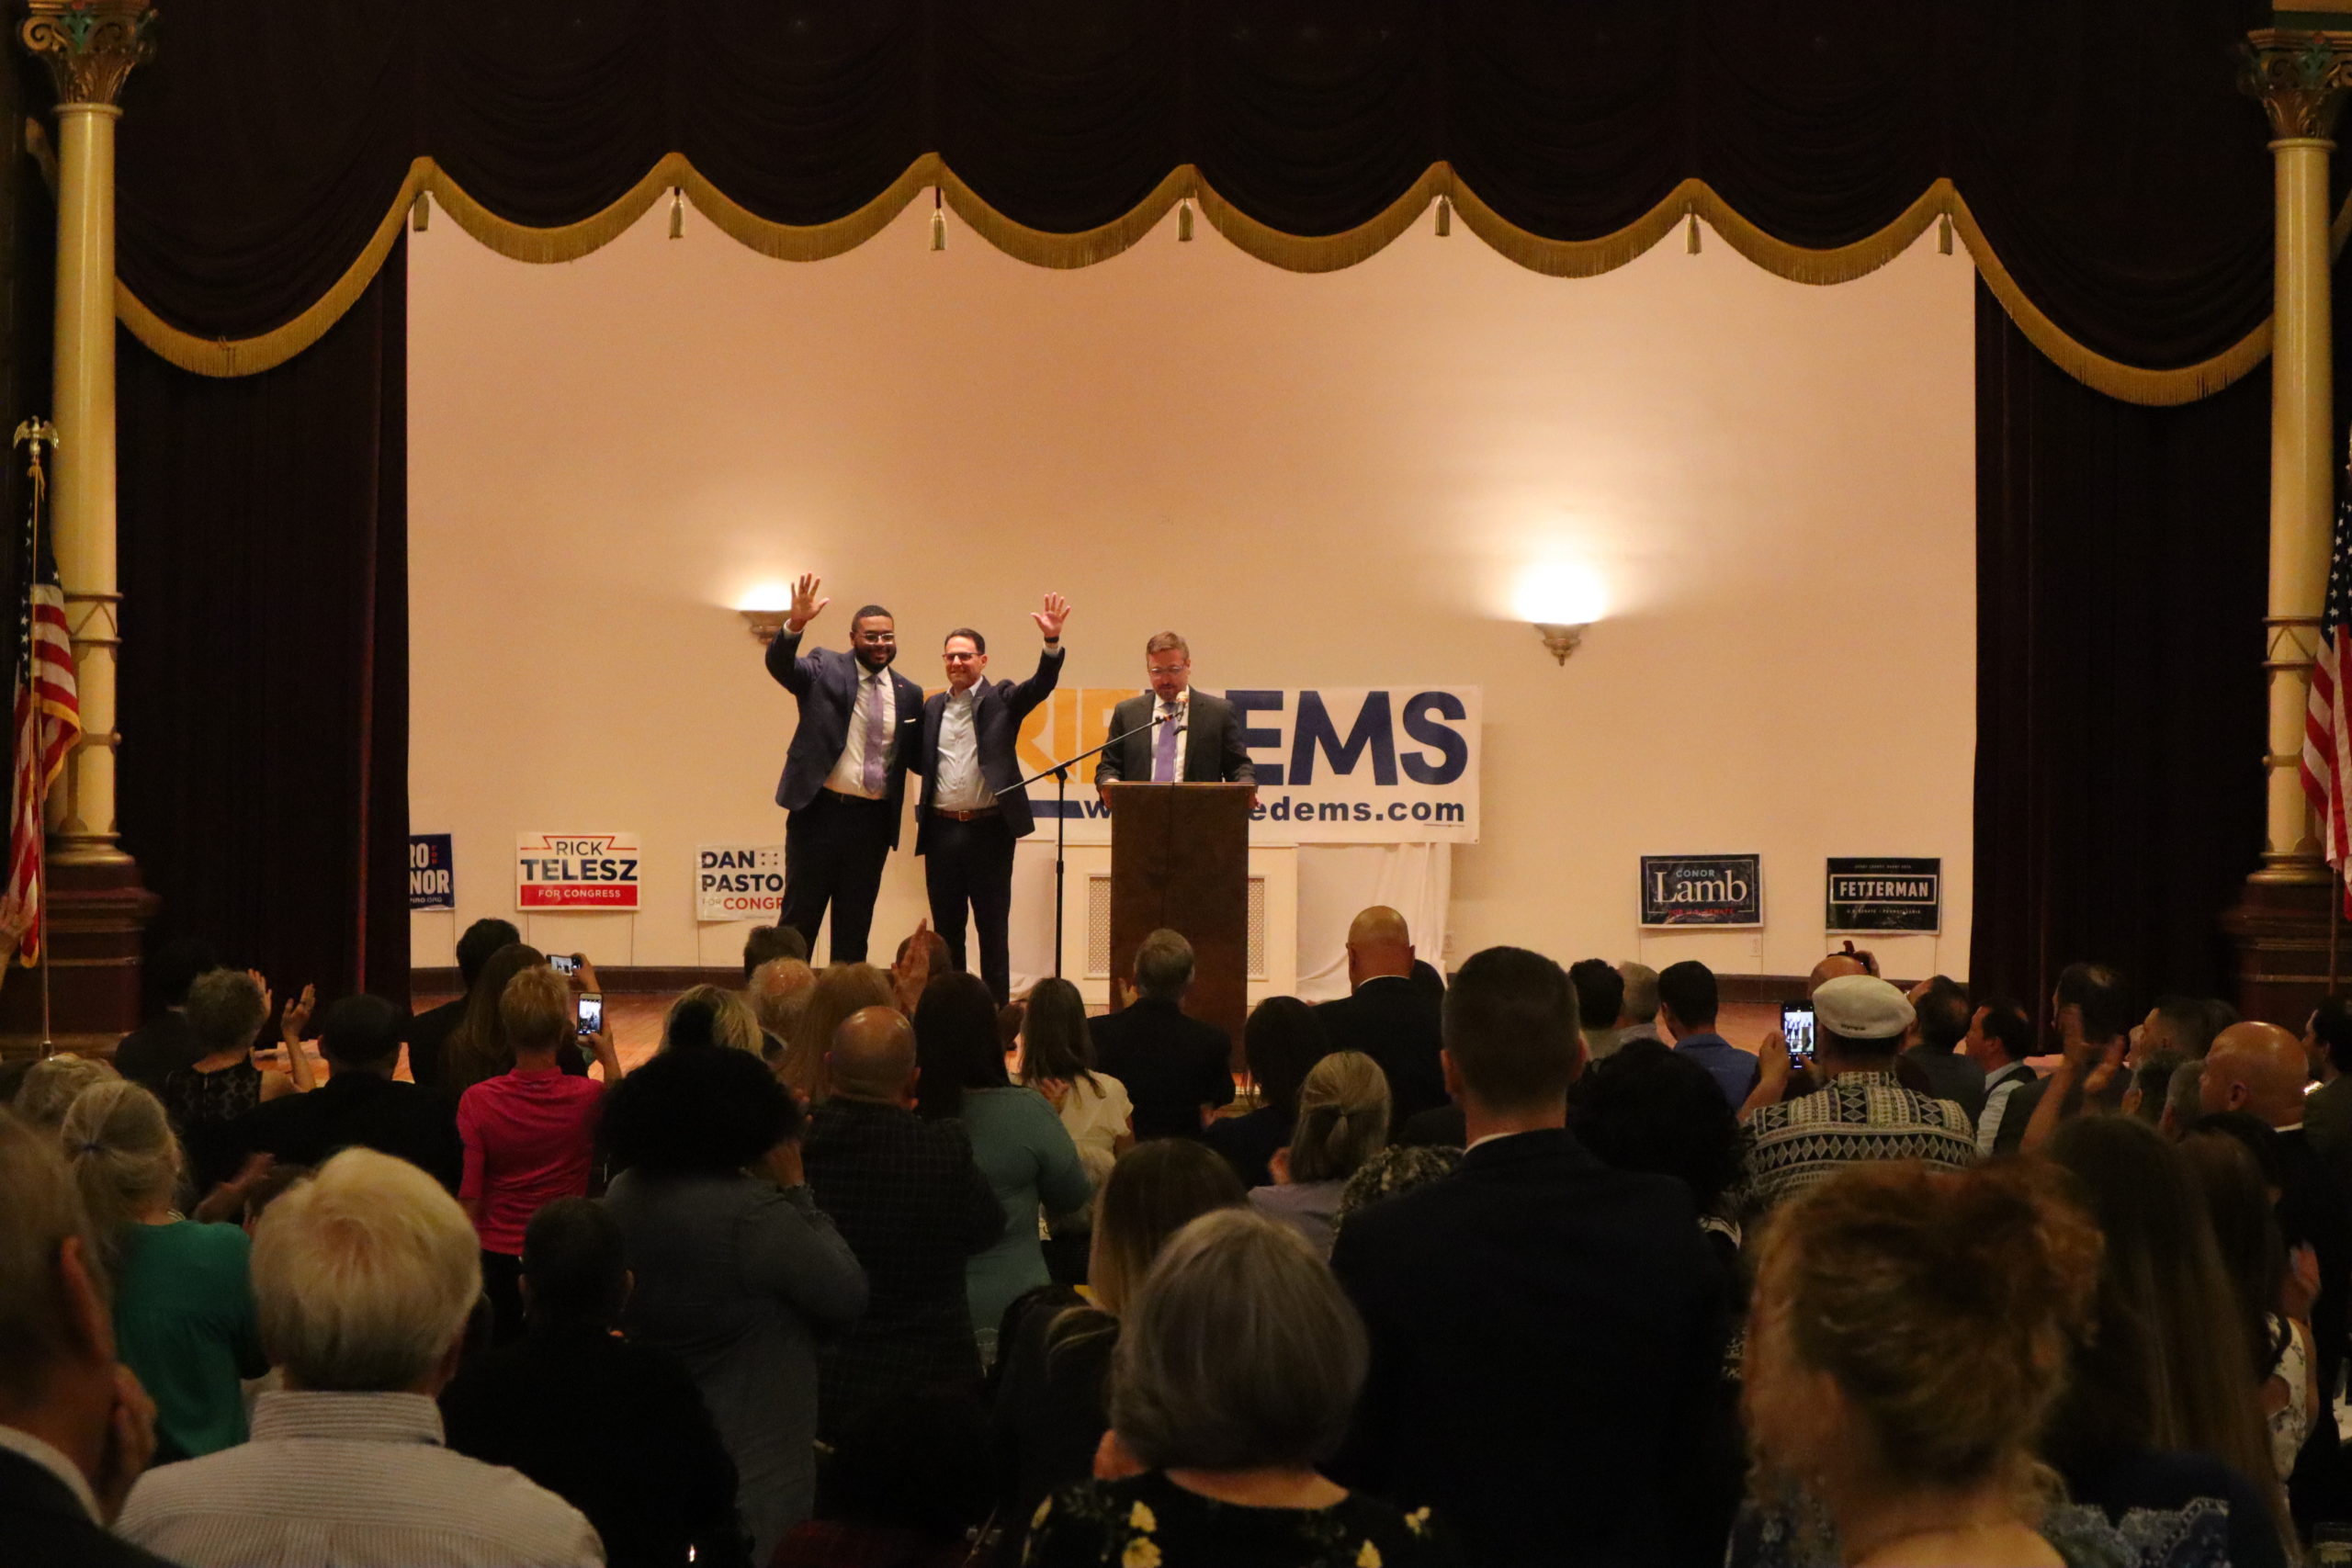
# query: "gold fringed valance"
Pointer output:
{"type": "Point", "coordinates": [1327, 253]}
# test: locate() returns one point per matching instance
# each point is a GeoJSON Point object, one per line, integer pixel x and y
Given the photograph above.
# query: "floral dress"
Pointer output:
{"type": "Point", "coordinates": [1149, 1521]}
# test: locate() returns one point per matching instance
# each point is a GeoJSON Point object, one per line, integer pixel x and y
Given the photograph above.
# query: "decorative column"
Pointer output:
{"type": "Point", "coordinates": [97, 906]}
{"type": "Point", "coordinates": [2281, 926]}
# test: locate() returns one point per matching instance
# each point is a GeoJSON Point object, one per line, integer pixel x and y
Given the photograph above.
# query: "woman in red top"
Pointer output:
{"type": "Point", "coordinates": [528, 1133]}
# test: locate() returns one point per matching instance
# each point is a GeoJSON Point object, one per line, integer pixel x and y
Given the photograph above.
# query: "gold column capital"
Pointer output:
{"type": "Point", "coordinates": [2300, 77]}
{"type": "Point", "coordinates": [89, 45]}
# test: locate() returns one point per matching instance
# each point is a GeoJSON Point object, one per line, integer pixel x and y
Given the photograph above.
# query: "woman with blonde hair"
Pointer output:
{"type": "Point", "coordinates": [1342, 1122]}
{"type": "Point", "coordinates": [183, 1313]}
{"type": "Point", "coordinates": [841, 989]}
{"type": "Point", "coordinates": [708, 1016]}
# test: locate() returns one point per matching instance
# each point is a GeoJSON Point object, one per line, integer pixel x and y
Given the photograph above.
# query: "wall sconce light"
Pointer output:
{"type": "Point", "coordinates": [765, 625]}
{"type": "Point", "coordinates": [1561, 601]}
{"type": "Point", "coordinates": [1560, 641]}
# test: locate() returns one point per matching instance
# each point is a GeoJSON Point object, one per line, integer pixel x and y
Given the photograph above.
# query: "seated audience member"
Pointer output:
{"type": "Point", "coordinates": [1342, 1122]}
{"type": "Point", "coordinates": [1637, 1014]}
{"type": "Point", "coordinates": [2151, 1087]}
{"type": "Point", "coordinates": [2000, 1038]}
{"type": "Point", "coordinates": [768, 944]}
{"type": "Point", "coordinates": [912, 1207]}
{"type": "Point", "coordinates": [1052, 1402]}
{"type": "Point", "coordinates": [1601, 1001]}
{"type": "Point", "coordinates": [1942, 1017]}
{"type": "Point", "coordinates": [778, 990]}
{"type": "Point", "coordinates": [2094, 1023]}
{"type": "Point", "coordinates": [2328, 1109]}
{"type": "Point", "coordinates": [360, 1105]}
{"type": "Point", "coordinates": [1057, 1061]}
{"type": "Point", "coordinates": [614, 1428]}
{"type": "Point", "coordinates": [164, 1040]}
{"type": "Point", "coordinates": [1647, 1109]}
{"type": "Point", "coordinates": [1466, 1282]}
{"type": "Point", "coordinates": [906, 1486]}
{"type": "Point", "coordinates": [1232, 1381]}
{"type": "Point", "coordinates": [1385, 1016]}
{"type": "Point", "coordinates": [428, 1033]}
{"type": "Point", "coordinates": [2157, 1411]}
{"type": "Point", "coordinates": [226, 1008]}
{"type": "Point", "coordinates": [1178, 1069]}
{"type": "Point", "coordinates": [1281, 1043]}
{"type": "Point", "coordinates": [1687, 992]}
{"type": "Point", "coordinates": [365, 1274]}
{"type": "Point", "coordinates": [183, 1292]}
{"type": "Point", "coordinates": [529, 1134]}
{"type": "Point", "coordinates": [52, 1084]}
{"type": "Point", "coordinates": [1907, 1410]}
{"type": "Point", "coordinates": [709, 1017]}
{"type": "Point", "coordinates": [738, 1272]}
{"type": "Point", "coordinates": [2254, 1257]}
{"type": "Point", "coordinates": [76, 1429]}
{"type": "Point", "coordinates": [842, 991]}
{"type": "Point", "coordinates": [1018, 1141]}
{"type": "Point", "coordinates": [1862, 1113]}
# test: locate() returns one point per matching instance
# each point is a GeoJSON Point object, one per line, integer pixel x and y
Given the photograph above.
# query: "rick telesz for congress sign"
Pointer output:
{"type": "Point", "coordinates": [576, 871]}
{"type": "Point", "coordinates": [1335, 765]}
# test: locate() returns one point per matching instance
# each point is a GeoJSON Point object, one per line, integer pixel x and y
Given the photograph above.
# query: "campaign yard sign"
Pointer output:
{"type": "Point", "coordinates": [576, 871]}
{"type": "Point", "coordinates": [739, 882]}
{"type": "Point", "coordinates": [1885, 896]}
{"type": "Point", "coordinates": [432, 877]}
{"type": "Point", "coordinates": [1703, 890]}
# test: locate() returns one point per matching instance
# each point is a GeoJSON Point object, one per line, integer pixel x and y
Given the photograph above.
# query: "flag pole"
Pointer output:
{"type": "Point", "coordinates": [31, 434]}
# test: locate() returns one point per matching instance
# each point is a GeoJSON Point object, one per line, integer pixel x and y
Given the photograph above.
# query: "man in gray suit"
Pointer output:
{"type": "Point", "coordinates": [1175, 734]}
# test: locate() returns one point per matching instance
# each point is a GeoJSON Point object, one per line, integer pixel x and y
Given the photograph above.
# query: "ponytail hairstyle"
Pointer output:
{"type": "Point", "coordinates": [1342, 1118]}
{"type": "Point", "coordinates": [118, 1142]}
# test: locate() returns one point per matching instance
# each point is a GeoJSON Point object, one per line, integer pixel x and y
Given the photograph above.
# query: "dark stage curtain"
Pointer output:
{"type": "Point", "coordinates": [2121, 565]}
{"type": "Point", "coordinates": [264, 655]}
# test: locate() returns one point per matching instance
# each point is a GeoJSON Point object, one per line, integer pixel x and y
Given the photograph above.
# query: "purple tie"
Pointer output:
{"type": "Point", "coordinates": [1163, 754]}
{"type": "Point", "coordinates": [878, 738]}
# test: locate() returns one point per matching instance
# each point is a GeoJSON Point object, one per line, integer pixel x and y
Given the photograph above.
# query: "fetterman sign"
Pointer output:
{"type": "Point", "coordinates": [1703, 890]}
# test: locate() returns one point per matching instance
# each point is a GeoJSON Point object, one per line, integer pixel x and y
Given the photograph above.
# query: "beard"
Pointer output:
{"type": "Point", "coordinates": [877, 658]}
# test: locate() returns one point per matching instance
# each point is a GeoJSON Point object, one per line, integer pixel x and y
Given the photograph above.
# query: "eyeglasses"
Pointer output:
{"type": "Point", "coordinates": [1166, 669]}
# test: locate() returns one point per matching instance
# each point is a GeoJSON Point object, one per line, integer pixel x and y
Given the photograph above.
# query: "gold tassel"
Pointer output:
{"type": "Point", "coordinates": [1184, 221]}
{"type": "Point", "coordinates": [938, 221]}
{"type": "Point", "coordinates": [677, 213]}
{"type": "Point", "coordinates": [1943, 234]}
{"type": "Point", "coordinates": [1691, 234]}
{"type": "Point", "coordinates": [420, 212]}
{"type": "Point", "coordinates": [1444, 218]}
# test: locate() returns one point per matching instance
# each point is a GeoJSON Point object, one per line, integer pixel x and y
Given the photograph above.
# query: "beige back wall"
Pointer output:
{"type": "Point", "coordinates": [1332, 480]}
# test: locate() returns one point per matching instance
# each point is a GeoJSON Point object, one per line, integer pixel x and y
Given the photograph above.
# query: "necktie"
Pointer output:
{"type": "Point", "coordinates": [1163, 754]}
{"type": "Point", "coordinates": [878, 738]}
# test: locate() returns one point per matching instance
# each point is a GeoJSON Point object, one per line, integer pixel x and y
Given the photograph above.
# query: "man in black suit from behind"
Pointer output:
{"type": "Point", "coordinates": [1387, 1017]}
{"type": "Point", "coordinates": [429, 1030]}
{"type": "Point", "coordinates": [845, 773]}
{"type": "Point", "coordinates": [970, 813]}
{"type": "Point", "coordinates": [75, 1427]}
{"type": "Point", "coordinates": [360, 1105]}
{"type": "Point", "coordinates": [1546, 1331]}
{"type": "Point", "coordinates": [1178, 735]}
{"type": "Point", "coordinates": [1176, 1069]}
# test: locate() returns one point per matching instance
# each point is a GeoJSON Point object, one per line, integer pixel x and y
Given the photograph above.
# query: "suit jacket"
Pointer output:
{"type": "Point", "coordinates": [1396, 1023]}
{"type": "Point", "coordinates": [1171, 1064]}
{"type": "Point", "coordinates": [1547, 1336]}
{"type": "Point", "coordinates": [2327, 1122]}
{"type": "Point", "coordinates": [996, 724]}
{"type": "Point", "coordinates": [825, 683]}
{"type": "Point", "coordinates": [1213, 752]}
{"type": "Point", "coordinates": [428, 1033]}
{"type": "Point", "coordinates": [2312, 1208]}
{"type": "Point", "coordinates": [41, 1521]}
{"type": "Point", "coordinates": [356, 1110]}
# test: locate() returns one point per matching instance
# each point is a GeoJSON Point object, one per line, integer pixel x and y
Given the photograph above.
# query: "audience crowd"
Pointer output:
{"type": "Point", "coordinates": [1526, 1265]}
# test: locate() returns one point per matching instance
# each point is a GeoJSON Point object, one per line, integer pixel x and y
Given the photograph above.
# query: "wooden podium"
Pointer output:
{"type": "Point", "coordinates": [1179, 858]}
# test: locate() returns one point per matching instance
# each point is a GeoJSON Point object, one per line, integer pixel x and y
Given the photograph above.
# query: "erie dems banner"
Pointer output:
{"type": "Point", "coordinates": [1336, 766]}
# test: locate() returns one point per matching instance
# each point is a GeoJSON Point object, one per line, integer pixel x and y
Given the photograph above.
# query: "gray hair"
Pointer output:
{"type": "Point", "coordinates": [118, 1142]}
{"type": "Point", "coordinates": [41, 1215]}
{"type": "Point", "coordinates": [365, 1274]}
{"type": "Point", "coordinates": [1641, 990]}
{"type": "Point", "coordinates": [1164, 963]}
{"type": "Point", "coordinates": [2182, 1097]}
{"type": "Point", "coordinates": [1240, 1351]}
{"type": "Point", "coordinates": [780, 989]}
{"type": "Point", "coordinates": [225, 1009]}
{"type": "Point", "coordinates": [52, 1084]}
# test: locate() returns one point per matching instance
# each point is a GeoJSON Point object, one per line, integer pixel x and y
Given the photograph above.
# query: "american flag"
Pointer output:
{"type": "Point", "coordinates": [49, 722]}
{"type": "Point", "coordinates": [2327, 722]}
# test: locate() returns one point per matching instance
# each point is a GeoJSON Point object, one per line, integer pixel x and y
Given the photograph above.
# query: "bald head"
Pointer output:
{"type": "Point", "coordinates": [873, 1055]}
{"type": "Point", "coordinates": [1836, 967]}
{"type": "Point", "coordinates": [780, 989]}
{"type": "Point", "coordinates": [2257, 1067]}
{"type": "Point", "coordinates": [1378, 946]}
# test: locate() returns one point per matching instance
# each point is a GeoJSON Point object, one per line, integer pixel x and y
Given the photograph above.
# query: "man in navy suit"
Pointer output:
{"type": "Point", "coordinates": [970, 813]}
{"type": "Point", "coordinates": [845, 775]}
{"type": "Point", "coordinates": [1174, 734]}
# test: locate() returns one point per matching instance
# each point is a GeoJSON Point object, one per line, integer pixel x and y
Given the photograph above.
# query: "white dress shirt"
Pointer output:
{"type": "Point", "coordinates": [356, 1480]}
{"type": "Point", "coordinates": [848, 777]}
{"type": "Point", "coordinates": [960, 787]}
{"type": "Point", "coordinates": [1182, 720]}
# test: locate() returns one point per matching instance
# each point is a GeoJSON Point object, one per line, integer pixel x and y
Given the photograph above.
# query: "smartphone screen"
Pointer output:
{"type": "Point", "coordinates": [562, 963]}
{"type": "Point", "coordinates": [1796, 1028]}
{"type": "Point", "coordinates": [591, 1013]}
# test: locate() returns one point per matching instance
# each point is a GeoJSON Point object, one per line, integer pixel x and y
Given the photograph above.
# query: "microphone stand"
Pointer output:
{"type": "Point", "coordinates": [1061, 820]}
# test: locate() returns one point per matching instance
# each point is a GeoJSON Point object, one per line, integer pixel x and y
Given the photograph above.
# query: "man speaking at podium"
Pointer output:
{"type": "Point", "coordinates": [1180, 736]}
